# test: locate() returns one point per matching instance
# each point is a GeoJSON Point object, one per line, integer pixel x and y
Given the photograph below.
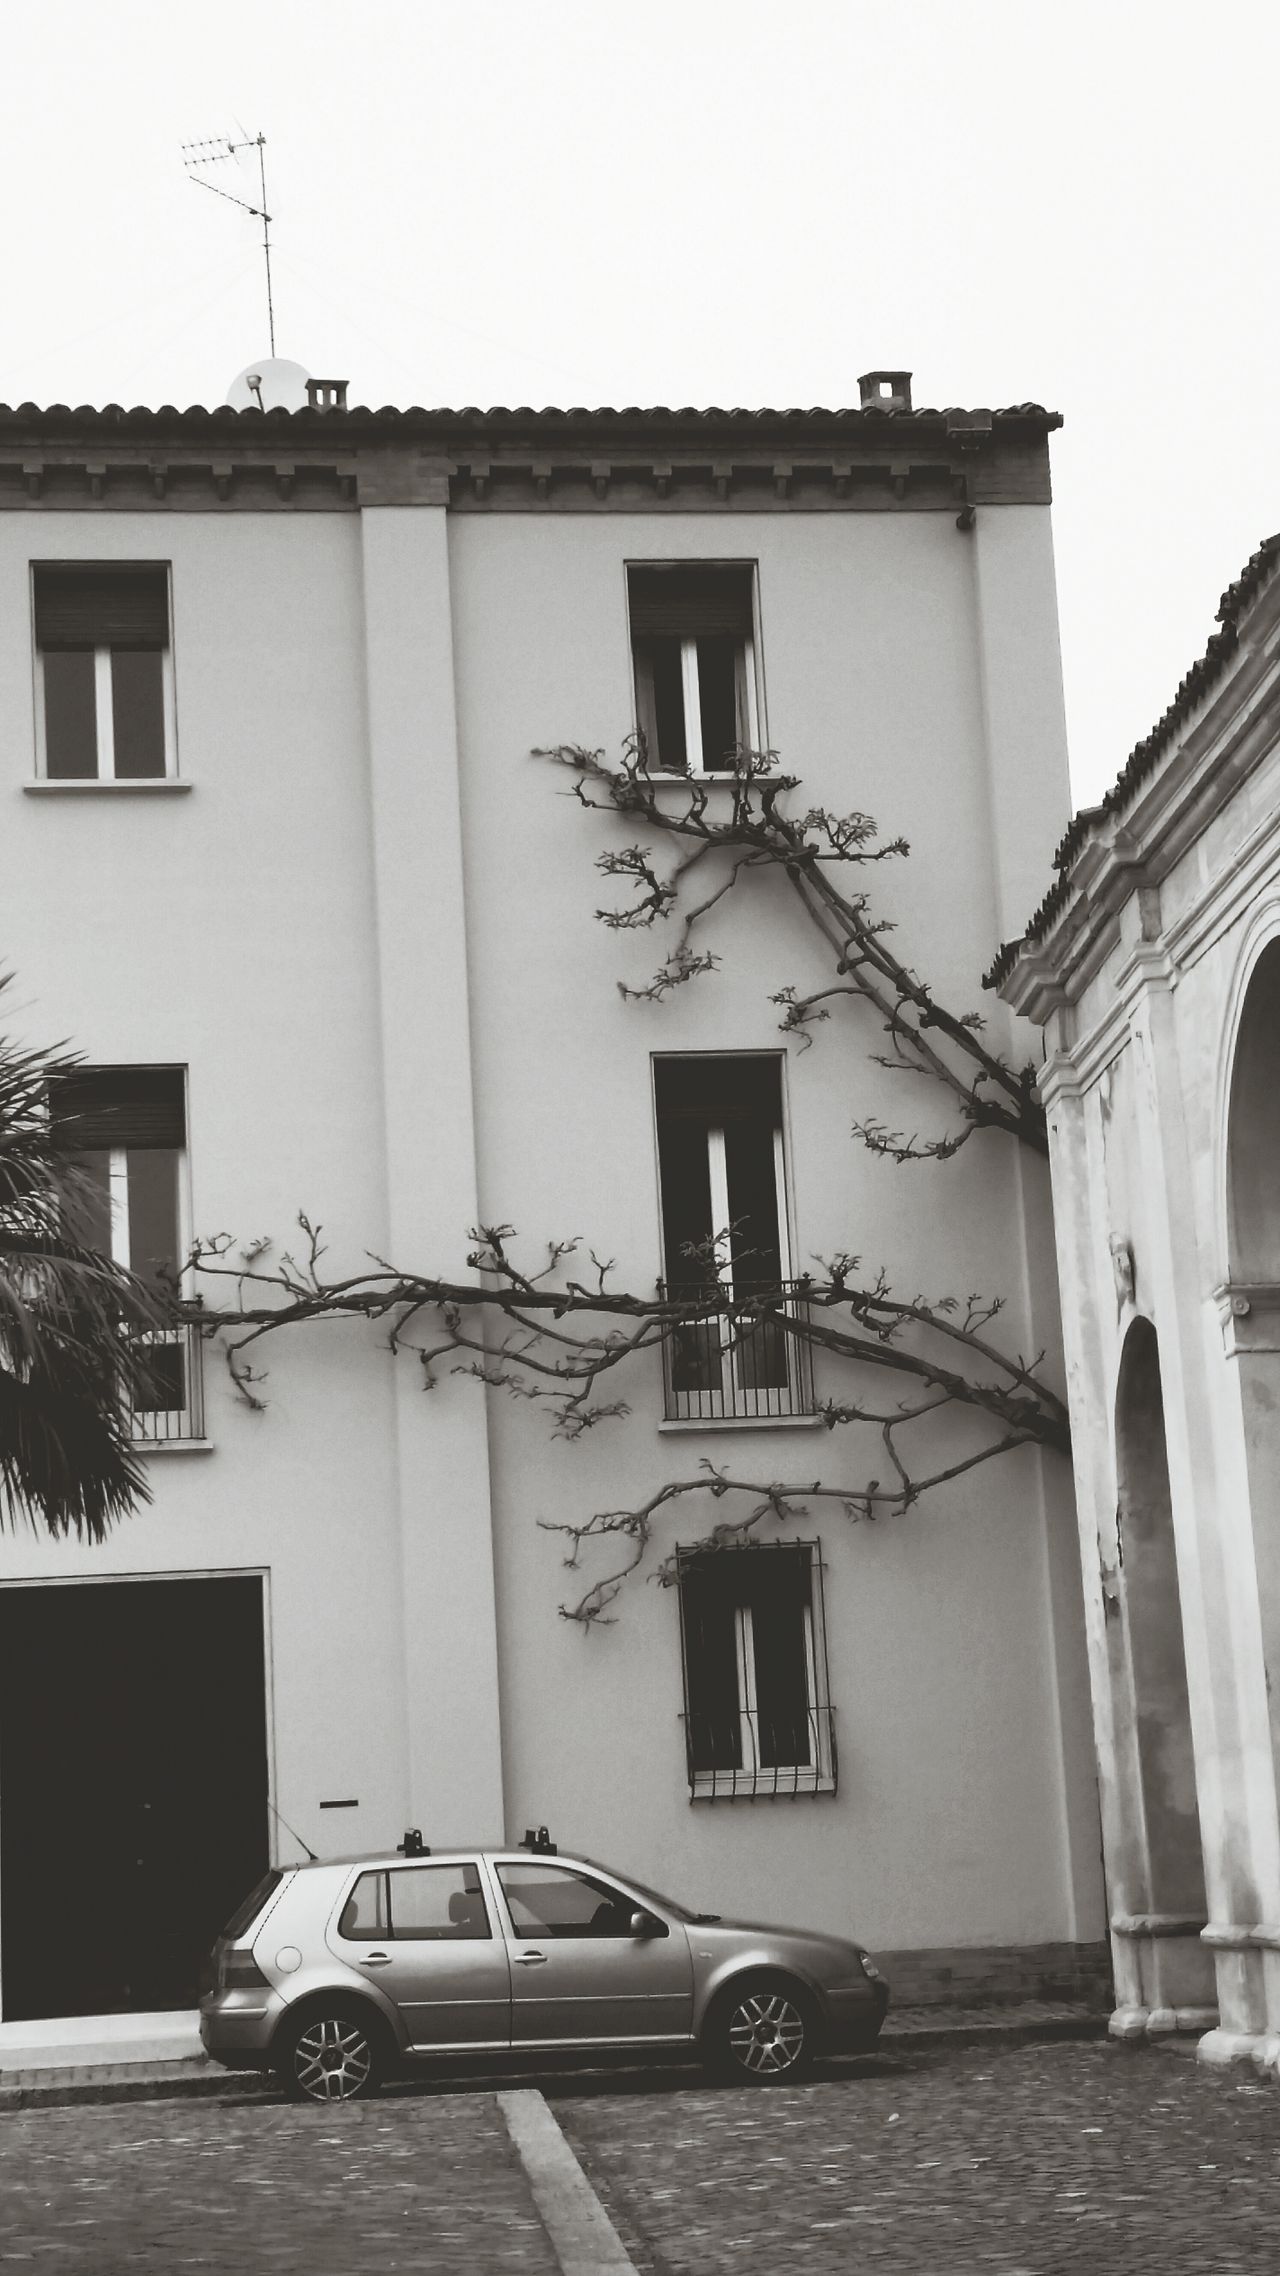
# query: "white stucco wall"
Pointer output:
{"type": "Point", "coordinates": [367, 929]}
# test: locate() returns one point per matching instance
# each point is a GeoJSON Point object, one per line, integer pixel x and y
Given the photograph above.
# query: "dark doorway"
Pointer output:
{"type": "Point", "coordinates": [133, 1787]}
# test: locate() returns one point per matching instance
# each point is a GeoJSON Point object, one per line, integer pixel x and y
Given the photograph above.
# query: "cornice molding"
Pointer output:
{"type": "Point", "coordinates": [589, 462]}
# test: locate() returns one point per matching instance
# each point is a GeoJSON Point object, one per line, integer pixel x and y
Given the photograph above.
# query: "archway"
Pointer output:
{"type": "Point", "coordinates": [1174, 1875]}
{"type": "Point", "coordinates": [1253, 1257]}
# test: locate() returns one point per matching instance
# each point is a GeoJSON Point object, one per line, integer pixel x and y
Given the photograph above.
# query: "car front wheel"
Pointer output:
{"type": "Point", "coordinates": [764, 2033]}
{"type": "Point", "coordinates": [334, 2054]}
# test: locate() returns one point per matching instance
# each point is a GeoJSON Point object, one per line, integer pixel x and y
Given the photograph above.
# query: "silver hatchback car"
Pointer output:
{"type": "Point", "coordinates": [336, 1974]}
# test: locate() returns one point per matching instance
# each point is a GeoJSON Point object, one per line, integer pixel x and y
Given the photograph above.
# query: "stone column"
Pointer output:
{"type": "Point", "coordinates": [450, 1631]}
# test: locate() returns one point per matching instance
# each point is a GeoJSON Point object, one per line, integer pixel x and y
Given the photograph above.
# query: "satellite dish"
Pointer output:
{"type": "Point", "coordinates": [270, 384]}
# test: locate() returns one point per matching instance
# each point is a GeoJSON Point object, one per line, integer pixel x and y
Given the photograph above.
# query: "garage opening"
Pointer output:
{"type": "Point", "coordinates": [133, 1787]}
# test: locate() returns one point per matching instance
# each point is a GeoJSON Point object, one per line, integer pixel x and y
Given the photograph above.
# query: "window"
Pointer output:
{"type": "Point", "coordinates": [104, 682]}
{"type": "Point", "coordinates": [128, 1126]}
{"type": "Point", "coordinates": [422, 1904]}
{"type": "Point", "coordinates": [554, 1901]}
{"type": "Point", "coordinates": [758, 1717]}
{"type": "Point", "coordinates": [724, 1235]}
{"type": "Point", "coordinates": [693, 648]}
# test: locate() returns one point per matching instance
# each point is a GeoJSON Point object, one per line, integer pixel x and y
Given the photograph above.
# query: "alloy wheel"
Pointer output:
{"type": "Point", "coordinates": [332, 2059]}
{"type": "Point", "coordinates": [766, 2034]}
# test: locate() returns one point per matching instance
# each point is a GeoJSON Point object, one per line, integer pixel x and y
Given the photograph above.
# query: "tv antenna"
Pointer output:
{"type": "Point", "coordinates": [215, 153]}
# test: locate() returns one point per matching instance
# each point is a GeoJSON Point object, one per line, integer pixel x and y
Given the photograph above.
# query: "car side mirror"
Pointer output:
{"type": "Point", "coordinates": [645, 1924]}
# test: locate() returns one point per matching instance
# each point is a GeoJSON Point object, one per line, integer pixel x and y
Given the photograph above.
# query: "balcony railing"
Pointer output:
{"type": "Point", "coordinates": [168, 1400]}
{"type": "Point", "coordinates": [733, 1366]}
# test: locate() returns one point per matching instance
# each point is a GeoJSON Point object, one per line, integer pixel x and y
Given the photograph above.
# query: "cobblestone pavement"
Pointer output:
{"type": "Point", "coordinates": [1031, 2161]}
{"type": "Point", "coordinates": [407, 2183]}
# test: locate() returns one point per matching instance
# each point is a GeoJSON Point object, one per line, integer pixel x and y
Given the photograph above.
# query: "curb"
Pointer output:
{"type": "Point", "coordinates": [161, 2085]}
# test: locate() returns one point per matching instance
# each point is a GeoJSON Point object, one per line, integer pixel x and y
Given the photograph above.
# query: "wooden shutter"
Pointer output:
{"type": "Point", "coordinates": [94, 606]}
{"type": "Point", "coordinates": [720, 1089]}
{"type": "Point", "coordinates": [99, 1107]}
{"type": "Point", "coordinates": [691, 600]}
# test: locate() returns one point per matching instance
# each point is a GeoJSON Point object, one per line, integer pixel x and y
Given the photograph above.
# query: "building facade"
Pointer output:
{"type": "Point", "coordinates": [280, 865]}
{"type": "Point", "coordinates": [1152, 966]}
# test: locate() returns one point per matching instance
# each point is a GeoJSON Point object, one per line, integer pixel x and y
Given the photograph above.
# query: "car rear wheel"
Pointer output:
{"type": "Point", "coordinates": [333, 2054]}
{"type": "Point", "coordinates": [762, 2033]}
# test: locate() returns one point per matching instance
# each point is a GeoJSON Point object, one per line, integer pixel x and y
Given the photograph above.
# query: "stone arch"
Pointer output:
{"type": "Point", "coordinates": [1174, 1863]}
{"type": "Point", "coordinates": [1252, 1193]}
{"type": "Point", "coordinates": [1253, 1129]}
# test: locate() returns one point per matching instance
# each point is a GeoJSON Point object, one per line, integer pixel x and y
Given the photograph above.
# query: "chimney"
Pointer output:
{"type": "Point", "coordinates": [327, 394]}
{"type": "Point", "coordinates": [886, 390]}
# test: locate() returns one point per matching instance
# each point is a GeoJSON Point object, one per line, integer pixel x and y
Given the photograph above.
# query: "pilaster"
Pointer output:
{"type": "Point", "coordinates": [450, 1630]}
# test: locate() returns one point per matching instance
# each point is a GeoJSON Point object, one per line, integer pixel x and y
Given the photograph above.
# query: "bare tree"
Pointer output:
{"type": "Point", "coordinates": [563, 1338]}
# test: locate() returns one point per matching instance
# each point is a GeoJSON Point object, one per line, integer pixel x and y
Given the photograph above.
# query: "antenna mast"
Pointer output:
{"type": "Point", "coordinates": [197, 154]}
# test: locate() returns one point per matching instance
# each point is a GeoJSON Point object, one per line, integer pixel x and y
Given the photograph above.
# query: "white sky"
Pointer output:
{"type": "Point", "coordinates": [696, 202]}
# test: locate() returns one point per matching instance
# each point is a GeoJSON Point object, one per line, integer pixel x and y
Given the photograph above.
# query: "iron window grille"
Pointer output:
{"type": "Point", "coordinates": [732, 1365]}
{"type": "Point", "coordinates": [758, 1718]}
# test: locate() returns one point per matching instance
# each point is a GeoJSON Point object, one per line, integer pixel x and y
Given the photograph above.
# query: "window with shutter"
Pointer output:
{"type": "Point", "coordinates": [127, 1128]}
{"type": "Point", "coordinates": [694, 655]}
{"type": "Point", "coordinates": [758, 1716]}
{"type": "Point", "coordinates": [722, 1180]}
{"type": "Point", "coordinates": [104, 677]}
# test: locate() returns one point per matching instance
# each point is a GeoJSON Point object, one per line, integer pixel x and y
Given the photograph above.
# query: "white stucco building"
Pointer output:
{"type": "Point", "coordinates": [278, 862]}
{"type": "Point", "coordinates": [1154, 967]}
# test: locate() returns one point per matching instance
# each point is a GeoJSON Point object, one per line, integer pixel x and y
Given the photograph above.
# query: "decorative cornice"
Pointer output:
{"type": "Point", "coordinates": [570, 461]}
{"type": "Point", "coordinates": [1249, 1312]}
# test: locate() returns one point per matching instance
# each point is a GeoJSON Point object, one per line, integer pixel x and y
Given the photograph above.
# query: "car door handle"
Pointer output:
{"type": "Point", "coordinates": [376, 1960]}
{"type": "Point", "coordinates": [530, 1959]}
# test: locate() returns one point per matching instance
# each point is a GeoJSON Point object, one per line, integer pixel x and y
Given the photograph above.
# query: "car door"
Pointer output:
{"type": "Point", "coordinates": [424, 1934]}
{"type": "Point", "coordinates": [578, 1972]}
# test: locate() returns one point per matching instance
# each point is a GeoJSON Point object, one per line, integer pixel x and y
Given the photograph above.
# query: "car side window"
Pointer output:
{"type": "Point", "coordinates": [438, 1902]}
{"type": "Point", "coordinates": [554, 1900]}
{"type": "Point", "coordinates": [365, 1911]}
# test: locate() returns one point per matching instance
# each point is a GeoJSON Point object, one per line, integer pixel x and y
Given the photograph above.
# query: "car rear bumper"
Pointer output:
{"type": "Point", "coordinates": [238, 2035]}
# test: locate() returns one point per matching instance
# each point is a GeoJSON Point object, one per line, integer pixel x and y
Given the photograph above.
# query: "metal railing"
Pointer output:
{"type": "Point", "coordinates": [731, 1365]}
{"type": "Point", "coordinates": [167, 1402]}
{"type": "Point", "coordinates": [746, 1752]}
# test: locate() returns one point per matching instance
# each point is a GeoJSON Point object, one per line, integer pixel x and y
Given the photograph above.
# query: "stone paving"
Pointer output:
{"type": "Point", "coordinates": [395, 2185]}
{"type": "Point", "coordinates": [920, 2161]}
{"type": "Point", "coordinates": [1031, 2161]}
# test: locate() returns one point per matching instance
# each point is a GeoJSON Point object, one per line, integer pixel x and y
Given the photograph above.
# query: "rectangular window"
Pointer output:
{"type": "Point", "coordinates": [758, 1717]}
{"type": "Point", "coordinates": [128, 1127]}
{"type": "Point", "coordinates": [722, 1174]}
{"type": "Point", "coordinates": [104, 679]}
{"type": "Point", "coordinates": [693, 650]}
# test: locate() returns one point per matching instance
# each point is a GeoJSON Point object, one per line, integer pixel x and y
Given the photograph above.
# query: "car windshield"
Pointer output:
{"type": "Point", "coordinates": [668, 1904]}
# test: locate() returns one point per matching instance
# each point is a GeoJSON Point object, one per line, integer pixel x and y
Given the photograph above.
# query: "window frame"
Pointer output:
{"type": "Point", "coordinates": [797, 1394]}
{"type": "Point", "coordinates": [750, 663]}
{"type": "Point", "coordinates": [753, 1780]}
{"type": "Point", "coordinates": [105, 774]}
{"type": "Point", "coordinates": [164, 1425]}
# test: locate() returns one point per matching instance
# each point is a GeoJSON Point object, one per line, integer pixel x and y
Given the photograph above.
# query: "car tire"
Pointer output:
{"type": "Point", "coordinates": [337, 2052]}
{"type": "Point", "coordinates": [761, 2032]}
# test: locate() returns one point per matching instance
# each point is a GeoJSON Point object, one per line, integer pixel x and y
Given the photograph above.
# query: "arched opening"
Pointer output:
{"type": "Point", "coordinates": [1158, 1668]}
{"type": "Point", "coordinates": [1253, 1254]}
{"type": "Point", "coordinates": [1253, 1147]}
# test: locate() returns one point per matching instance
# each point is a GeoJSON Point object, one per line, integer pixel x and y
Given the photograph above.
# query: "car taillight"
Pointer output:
{"type": "Point", "coordinates": [239, 1972]}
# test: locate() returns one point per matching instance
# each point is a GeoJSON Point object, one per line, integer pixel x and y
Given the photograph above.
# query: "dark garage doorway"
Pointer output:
{"type": "Point", "coordinates": [133, 1787]}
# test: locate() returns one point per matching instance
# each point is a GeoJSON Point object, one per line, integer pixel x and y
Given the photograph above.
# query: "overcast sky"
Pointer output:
{"type": "Point", "coordinates": [703, 203]}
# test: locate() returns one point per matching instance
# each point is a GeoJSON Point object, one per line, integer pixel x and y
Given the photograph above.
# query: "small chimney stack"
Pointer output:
{"type": "Point", "coordinates": [327, 394]}
{"type": "Point", "coordinates": [885, 390]}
